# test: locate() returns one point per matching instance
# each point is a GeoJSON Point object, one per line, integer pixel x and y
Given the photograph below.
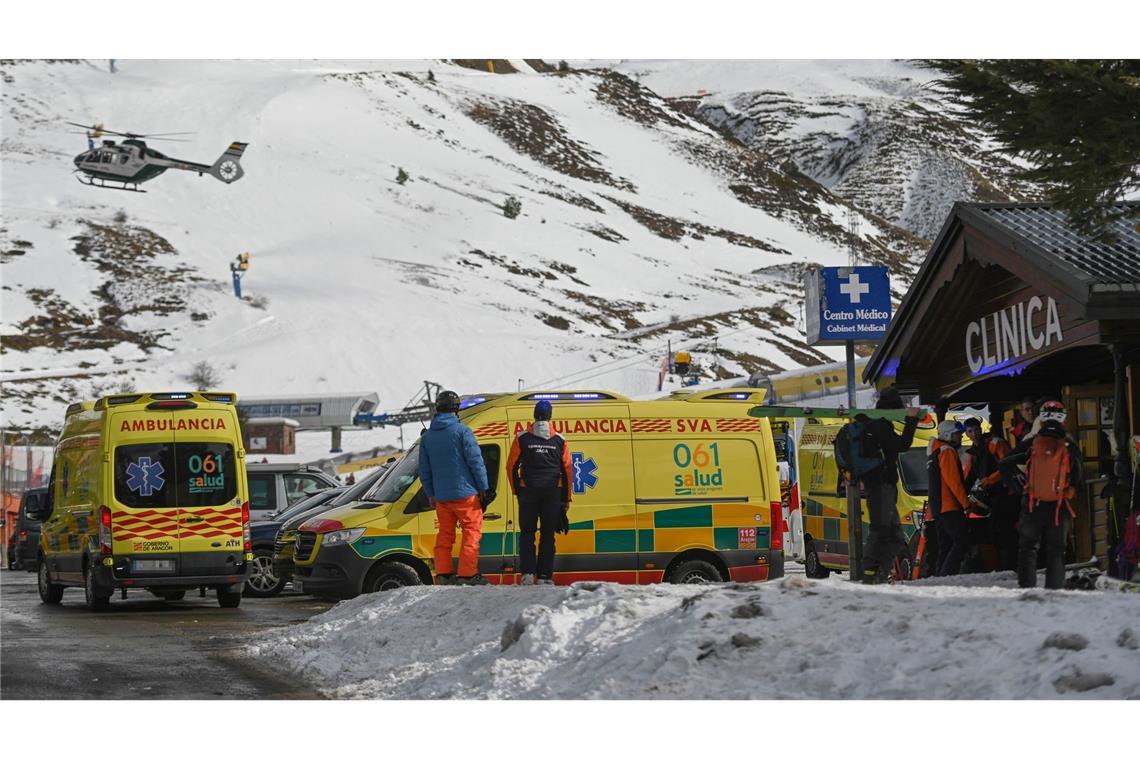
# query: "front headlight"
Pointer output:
{"type": "Point", "coordinates": [342, 536]}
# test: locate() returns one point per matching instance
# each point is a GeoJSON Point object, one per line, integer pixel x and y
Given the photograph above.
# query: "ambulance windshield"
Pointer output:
{"type": "Point", "coordinates": [168, 475]}
{"type": "Point", "coordinates": [396, 480]}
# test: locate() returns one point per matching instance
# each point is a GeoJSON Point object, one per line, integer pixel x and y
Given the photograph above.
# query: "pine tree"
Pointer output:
{"type": "Point", "coordinates": [401, 176]}
{"type": "Point", "coordinates": [1076, 122]}
{"type": "Point", "coordinates": [431, 76]}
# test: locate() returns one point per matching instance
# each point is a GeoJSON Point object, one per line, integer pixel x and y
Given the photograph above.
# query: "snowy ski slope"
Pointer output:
{"type": "Point", "coordinates": [639, 225]}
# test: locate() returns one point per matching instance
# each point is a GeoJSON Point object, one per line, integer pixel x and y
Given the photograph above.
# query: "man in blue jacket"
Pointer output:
{"type": "Point", "coordinates": [454, 477]}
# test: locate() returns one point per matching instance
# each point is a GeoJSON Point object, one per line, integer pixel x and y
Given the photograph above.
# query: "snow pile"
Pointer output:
{"type": "Point", "coordinates": [793, 638]}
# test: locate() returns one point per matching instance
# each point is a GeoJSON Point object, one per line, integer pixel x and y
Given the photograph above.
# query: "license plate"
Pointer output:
{"type": "Point", "coordinates": [152, 566]}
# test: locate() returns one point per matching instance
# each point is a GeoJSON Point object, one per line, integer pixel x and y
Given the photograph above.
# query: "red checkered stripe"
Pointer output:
{"type": "Point", "coordinates": [149, 524]}
{"type": "Point", "coordinates": [738, 426]}
{"type": "Point", "coordinates": [218, 522]}
{"type": "Point", "coordinates": [492, 430]}
{"type": "Point", "coordinates": [153, 524]}
{"type": "Point", "coordinates": [650, 425]}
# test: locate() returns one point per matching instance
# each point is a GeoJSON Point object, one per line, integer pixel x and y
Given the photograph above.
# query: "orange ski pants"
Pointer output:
{"type": "Point", "coordinates": [469, 516]}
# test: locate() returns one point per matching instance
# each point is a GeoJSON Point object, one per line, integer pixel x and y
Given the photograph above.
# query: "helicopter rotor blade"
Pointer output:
{"type": "Point", "coordinates": [164, 134]}
{"type": "Point", "coordinates": [100, 130]}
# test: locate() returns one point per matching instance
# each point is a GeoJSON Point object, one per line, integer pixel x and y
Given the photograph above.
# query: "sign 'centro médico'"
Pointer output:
{"type": "Point", "coordinates": [1010, 333]}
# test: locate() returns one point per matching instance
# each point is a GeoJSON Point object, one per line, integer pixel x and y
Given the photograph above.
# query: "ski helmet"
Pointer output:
{"type": "Point", "coordinates": [543, 411]}
{"type": "Point", "coordinates": [447, 402]}
{"type": "Point", "coordinates": [947, 429]}
{"type": "Point", "coordinates": [1053, 411]}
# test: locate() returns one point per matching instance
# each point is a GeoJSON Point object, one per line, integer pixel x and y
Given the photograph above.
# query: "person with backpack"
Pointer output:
{"type": "Point", "coordinates": [540, 474]}
{"type": "Point", "coordinates": [948, 499]}
{"type": "Point", "coordinates": [1052, 463]}
{"type": "Point", "coordinates": [868, 450]}
{"type": "Point", "coordinates": [454, 477]}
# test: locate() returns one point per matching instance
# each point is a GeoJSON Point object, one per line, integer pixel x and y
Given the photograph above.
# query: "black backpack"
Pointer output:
{"type": "Point", "coordinates": [856, 450]}
{"type": "Point", "coordinates": [934, 483]}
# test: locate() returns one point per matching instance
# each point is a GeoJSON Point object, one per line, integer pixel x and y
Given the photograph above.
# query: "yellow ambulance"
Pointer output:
{"type": "Point", "coordinates": [683, 489]}
{"type": "Point", "coordinates": [147, 491]}
{"type": "Point", "coordinates": [824, 500]}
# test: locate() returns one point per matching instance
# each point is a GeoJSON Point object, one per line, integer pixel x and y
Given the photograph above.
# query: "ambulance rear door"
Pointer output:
{"type": "Point", "coordinates": [143, 492]}
{"type": "Point", "coordinates": [208, 477]}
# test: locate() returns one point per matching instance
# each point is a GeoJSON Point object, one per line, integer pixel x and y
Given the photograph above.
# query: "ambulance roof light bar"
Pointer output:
{"type": "Point", "coordinates": [568, 396]}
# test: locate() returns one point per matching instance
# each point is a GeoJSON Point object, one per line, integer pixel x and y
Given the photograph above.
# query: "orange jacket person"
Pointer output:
{"type": "Point", "coordinates": [454, 477]}
{"type": "Point", "coordinates": [952, 533]}
{"type": "Point", "coordinates": [540, 473]}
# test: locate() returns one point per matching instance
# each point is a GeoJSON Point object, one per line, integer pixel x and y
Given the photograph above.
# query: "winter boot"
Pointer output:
{"type": "Point", "coordinates": [527, 579]}
{"type": "Point", "coordinates": [445, 579]}
{"type": "Point", "coordinates": [545, 582]}
{"type": "Point", "coordinates": [474, 580]}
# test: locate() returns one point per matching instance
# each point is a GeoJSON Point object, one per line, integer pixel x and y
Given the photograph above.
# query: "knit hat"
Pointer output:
{"type": "Point", "coordinates": [543, 411]}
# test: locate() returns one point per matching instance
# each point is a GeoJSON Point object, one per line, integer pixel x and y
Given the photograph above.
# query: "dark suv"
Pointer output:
{"type": "Point", "coordinates": [26, 537]}
{"type": "Point", "coordinates": [263, 579]}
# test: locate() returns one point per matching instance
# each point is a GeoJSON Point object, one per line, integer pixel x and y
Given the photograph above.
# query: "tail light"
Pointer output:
{"type": "Point", "coordinates": [248, 543]}
{"type": "Point", "coordinates": [776, 540]}
{"type": "Point", "coordinates": [105, 531]}
{"type": "Point", "coordinates": [23, 537]}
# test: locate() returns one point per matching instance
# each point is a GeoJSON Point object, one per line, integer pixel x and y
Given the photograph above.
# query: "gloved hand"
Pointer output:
{"type": "Point", "coordinates": [485, 498]}
{"type": "Point", "coordinates": [563, 521]}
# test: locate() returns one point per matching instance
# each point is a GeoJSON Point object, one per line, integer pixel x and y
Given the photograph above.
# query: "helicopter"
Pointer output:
{"type": "Point", "coordinates": [126, 165]}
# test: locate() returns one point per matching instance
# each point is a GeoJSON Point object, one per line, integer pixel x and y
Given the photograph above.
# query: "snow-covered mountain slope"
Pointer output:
{"type": "Point", "coordinates": [968, 637]}
{"type": "Point", "coordinates": [640, 224]}
{"type": "Point", "coordinates": [874, 132]}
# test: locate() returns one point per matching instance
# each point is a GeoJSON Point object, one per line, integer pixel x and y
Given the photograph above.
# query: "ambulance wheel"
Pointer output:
{"type": "Point", "coordinates": [389, 575]}
{"type": "Point", "coordinates": [695, 571]}
{"type": "Point", "coordinates": [50, 593]}
{"type": "Point", "coordinates": [263, 580]}
{"type": "Point", "coordinates": [228, 599]}
{"type": "Point", "coordinates": [94, 597]}
{"type": "Point", "coordinates": [812, 566]}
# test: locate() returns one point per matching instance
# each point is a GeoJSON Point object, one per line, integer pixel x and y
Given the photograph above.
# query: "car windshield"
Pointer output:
{"type": "Point", "coordinates": [304, 505]}
{"type": "Point", "coordinates": [363, 486]}
{"type": "Point", "coordinates": [396, 479]}
{"type": "Point", "coordinates": [912, 468]}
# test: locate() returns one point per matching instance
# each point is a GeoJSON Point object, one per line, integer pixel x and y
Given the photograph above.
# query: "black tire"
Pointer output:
{"type": "Point", "coordinates": [813, 568]}
{"type": "Point", "coordinates": [94, 598]}
{"type": "Point", "coordinates": [389, 575]}
{"type": "Point", "coordinates": [228, 599]}
{"type": "Point", "coordinates": [263, 580]}
{"type": "Point", "coordinates": [50, 593]}
{"type": "Point", "coordinates": [694, 571]}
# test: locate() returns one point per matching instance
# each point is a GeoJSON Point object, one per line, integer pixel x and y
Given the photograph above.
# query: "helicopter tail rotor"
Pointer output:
{"type": "Point", "coordinates": [228, 166]}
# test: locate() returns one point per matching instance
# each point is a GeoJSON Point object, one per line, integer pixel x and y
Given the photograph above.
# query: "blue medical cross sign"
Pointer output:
{"type": "Point", "coordinates": [847, 304]}
{"type": "Point", "coordinates": [145, 476]}
{"type": "Point", "coordinates": [585, 471]}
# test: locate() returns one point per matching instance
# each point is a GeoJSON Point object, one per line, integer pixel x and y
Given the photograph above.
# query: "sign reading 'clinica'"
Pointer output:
{"type": "Point", "coordinates": [1010, 333]}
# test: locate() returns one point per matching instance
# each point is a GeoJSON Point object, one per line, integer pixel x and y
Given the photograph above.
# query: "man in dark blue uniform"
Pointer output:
{"type": "Point", "coordinates": [540, 475]}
